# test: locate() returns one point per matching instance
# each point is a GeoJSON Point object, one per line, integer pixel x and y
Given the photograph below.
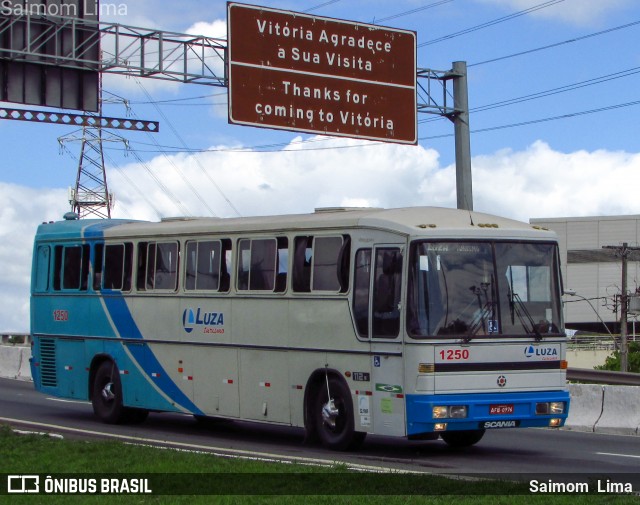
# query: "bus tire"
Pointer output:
{"type": "Point", "coordinates": [106, 394]}
{"type": "Point", "coordinates": [337, 431]}
{"type": "Point", "coordinates": [458, 439]}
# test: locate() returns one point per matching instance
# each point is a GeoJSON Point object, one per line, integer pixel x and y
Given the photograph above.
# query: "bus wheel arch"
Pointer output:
{"type": "Point", "coordinates": [331, 422]}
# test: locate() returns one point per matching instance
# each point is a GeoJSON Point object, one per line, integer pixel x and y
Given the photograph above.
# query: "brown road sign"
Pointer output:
{"type": "Point", "coordinates": [305, 73]}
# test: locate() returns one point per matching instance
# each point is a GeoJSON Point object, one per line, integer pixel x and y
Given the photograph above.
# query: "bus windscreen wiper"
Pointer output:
{"type": "Point", "coordinates": [520, 309]}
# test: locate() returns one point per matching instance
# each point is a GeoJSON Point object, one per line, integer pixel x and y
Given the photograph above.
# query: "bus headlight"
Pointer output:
{"type": "Point", "coordinates": [450, 412]}
{"type": "Point", "coordinates": [549, 408]}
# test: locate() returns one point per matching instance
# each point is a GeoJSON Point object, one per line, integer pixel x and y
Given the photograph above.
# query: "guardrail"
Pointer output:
{"type": "Point", "coordinates": [603, 377]}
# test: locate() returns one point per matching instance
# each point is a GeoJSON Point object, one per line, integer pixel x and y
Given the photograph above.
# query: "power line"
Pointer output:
{"type": "Point", "coordinates": [412, 11]}
{"type": "Point", "coordinates": [542, 120]}
{"type": "Point", "coordinates": [321, 5]}
{"type": "Point", "coordinates": [550, 46]}
{"type": "Point", "coordinates": [549, 92]}
{"type": "Point", "coordinates": [492, 22]}
{"type": "Point", "coordinates": [270, 147]}
{"type": "Point", "coordinates": [197, 161]}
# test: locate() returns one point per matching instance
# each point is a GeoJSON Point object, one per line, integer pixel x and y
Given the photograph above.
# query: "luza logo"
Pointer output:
{"type": "Point", "coordinates": [544, 353]}
{"type": "Point", "coordinates": [209, 321]}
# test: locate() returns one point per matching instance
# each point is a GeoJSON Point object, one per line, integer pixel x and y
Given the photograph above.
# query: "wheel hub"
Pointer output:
{"type": "Point", "coordinates": [330, 413]}
{"type": "Point", "coordinates": [107, 392]}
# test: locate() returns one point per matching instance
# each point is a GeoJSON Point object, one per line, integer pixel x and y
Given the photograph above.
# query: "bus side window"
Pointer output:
{"type": "Point", "coordinates": [263, 265]}
{"type": "Point", "coordinates": [98, 258]}
{"type": "Point", "coordinates": [141, 282]}
{"type": "Point", "coordinates": [225, 265]}
{"type": "Point", "coordinates": [325, 264]}
{"type": "Point", "coordinates": [203, 265]}
{"type": "Point", "coordinates": [361, 283]}
{"type": "Point", "coordinates": [318, 264]}
{"type": "Point", "coordinates": [386, 293]}
{"type": "Point", "coordinates": [283, 264]}
{"type": "Point", "coordinates": [71, 266]}
{"type": "Point", "coordinates": [43, 266]}
{"type": "Point", "coordinates": [166, 266]}
{"type": "Point", "coordinates": [244, 263]}
{"type": "Point", "coordinates": [258, 263]}
{"type": "Point", "coordinates": [117, 266]}
{"type": "Point", "coordinates": [302, 255]}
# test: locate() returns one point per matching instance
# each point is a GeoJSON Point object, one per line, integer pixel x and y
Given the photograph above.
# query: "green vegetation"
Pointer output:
{"type": "Point", "coordinates": [178, 473]}
{"type": "Point", "coordinates": [633, 359]}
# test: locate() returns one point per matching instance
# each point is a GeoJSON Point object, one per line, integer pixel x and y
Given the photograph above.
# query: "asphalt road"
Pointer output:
{"type": "Point", "coordinates": [527, 452]}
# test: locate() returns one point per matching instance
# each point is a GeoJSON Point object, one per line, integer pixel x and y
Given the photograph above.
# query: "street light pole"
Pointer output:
{"type": "Point", "coordinates": [570, 292]}
{"type": "Point", "coordinates": [624, 250]}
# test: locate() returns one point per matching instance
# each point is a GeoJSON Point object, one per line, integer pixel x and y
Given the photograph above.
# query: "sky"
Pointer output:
{"type": "Point", "coordinates": [553, 94]}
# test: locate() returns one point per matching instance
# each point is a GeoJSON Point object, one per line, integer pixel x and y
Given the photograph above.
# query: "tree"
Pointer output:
{"type": "Point", "coordinates": [633, 358]}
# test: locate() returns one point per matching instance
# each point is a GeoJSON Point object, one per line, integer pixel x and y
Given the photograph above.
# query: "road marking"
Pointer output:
{"type": "Point", "coordinates": [67, 401]}
{"type": "Point", "coordinates": [618, 455]}
{"type": "Point", "coordinates": [219, 451]}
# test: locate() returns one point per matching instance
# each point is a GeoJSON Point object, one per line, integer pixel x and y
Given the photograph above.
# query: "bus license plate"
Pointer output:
{"type": "Point", "coordinates": [498, 410]}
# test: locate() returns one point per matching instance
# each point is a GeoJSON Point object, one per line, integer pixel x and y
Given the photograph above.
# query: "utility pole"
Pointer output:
{"type": "Point", "coordinates": [462, 136]}
{"type": "Point", "coordinates": [623, 251]}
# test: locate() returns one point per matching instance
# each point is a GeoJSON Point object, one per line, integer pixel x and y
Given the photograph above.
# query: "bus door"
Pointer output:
{"type": "Point", "coordinates": [385, 309]}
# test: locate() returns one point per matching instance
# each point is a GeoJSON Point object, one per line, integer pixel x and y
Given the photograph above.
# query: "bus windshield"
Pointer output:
{"type": "Point", "coordinates": [491, 289]}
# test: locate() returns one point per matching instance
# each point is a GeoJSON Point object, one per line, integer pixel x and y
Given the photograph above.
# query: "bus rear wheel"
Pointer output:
{"type": "Point", "coordinates": [334, 417]}
{"type": "Point", "coordinates": [459, 439]}
{"type": "Point", "coordinates": [106, 394]}
{"type": "Point", "coordinates": [106, 397]}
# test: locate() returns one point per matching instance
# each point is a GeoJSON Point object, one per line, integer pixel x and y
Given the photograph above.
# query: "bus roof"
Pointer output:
{"type": "Point", "coordinates": [411, 221]}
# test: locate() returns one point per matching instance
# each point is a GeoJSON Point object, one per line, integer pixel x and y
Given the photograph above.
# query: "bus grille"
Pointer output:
{"type": "Point", "coordinates": [48, 362]}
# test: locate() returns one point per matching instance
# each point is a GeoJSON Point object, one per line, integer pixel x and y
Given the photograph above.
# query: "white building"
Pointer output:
{"type": "Point", "coordinates": [595, 273]}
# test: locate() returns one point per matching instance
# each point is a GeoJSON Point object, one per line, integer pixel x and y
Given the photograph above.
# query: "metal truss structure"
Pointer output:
{"type": "Point", "coordinates": [65, 118]}
{"type": "Point", "coordinates": [185, 58]}
{"type": "Point", "coordinates": [90, 197]}
{"type": "Point", "coordinates": [126, 50]}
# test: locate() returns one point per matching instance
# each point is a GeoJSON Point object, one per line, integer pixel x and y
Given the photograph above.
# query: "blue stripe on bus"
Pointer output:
{"type": "Point", "coordinates": [126, 327]}
{"type": "Point", "coordinates": [420, 410]}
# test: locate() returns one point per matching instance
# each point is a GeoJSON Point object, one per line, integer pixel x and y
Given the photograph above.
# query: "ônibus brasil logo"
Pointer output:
{"type": "Point", "coordinates": [191, 318]}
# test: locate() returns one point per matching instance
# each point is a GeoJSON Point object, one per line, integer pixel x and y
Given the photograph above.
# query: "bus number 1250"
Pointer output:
{"type": "Point", "coordinates": [454, 354]}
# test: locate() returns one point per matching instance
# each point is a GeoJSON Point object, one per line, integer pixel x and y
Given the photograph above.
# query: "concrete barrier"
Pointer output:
{"type": "Point", "coordinates": [620, 411]}
{"type": "Point", "coordinates": [14, 362]}
{"type": "Point", "coordinates": [24, 370]}
{"type": "Point", "coordinates": [586, 406]}
{"type": "Point", "coordinates": [11, 360]}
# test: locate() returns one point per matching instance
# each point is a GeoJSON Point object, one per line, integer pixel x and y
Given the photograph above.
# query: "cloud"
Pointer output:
{"type": "Point", "coordinates": [535, 182]}
{"type": "Point", "coordinates": [579, 12]}
{"type": "Point", "coordinates": [23, 209]}
{"type": "Point", "coordinates": [541, 182]}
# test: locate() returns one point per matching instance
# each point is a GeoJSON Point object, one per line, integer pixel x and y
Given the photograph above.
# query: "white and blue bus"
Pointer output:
{"type": "Point", "coordinates": [417, 322]}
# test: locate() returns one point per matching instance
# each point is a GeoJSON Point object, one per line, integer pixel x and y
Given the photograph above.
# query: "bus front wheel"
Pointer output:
{"type": "Point", "coordinates": [334, 416]}
{"type": "Point", "coordinates": [462, 438]}
{"type": "Point", "coordinates": [106, 394]}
